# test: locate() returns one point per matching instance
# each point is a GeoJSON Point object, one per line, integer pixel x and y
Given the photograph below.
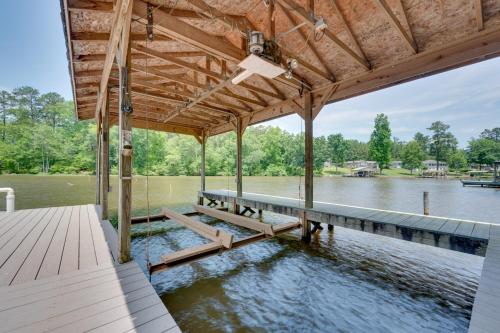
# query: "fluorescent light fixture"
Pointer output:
{"type": "Point", "coordinates": [242, 76]}
{"type": "Point", "coordinates": [254, 64]}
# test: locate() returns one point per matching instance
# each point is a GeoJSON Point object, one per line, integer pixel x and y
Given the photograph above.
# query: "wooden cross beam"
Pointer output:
{"type": "Point", "coordinates": [393, 20]}
{"type": "Point", "coordinates": [122, 17]}
{"type": "Point", "coordinates": [304, 15]}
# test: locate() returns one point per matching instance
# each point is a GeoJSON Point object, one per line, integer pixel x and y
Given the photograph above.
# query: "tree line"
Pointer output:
{"type": "Point", "coordinates": [40, 134]}
{"type": "Point", "coordinates": [440, 144]}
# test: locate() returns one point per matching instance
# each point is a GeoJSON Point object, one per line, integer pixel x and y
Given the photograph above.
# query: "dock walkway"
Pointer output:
{"type": "Point", "coordinates": [59, 272]}
{"type": "Point", "coordinates": [485, 316]}
{"type": "Point", "coordinates": [453, 234]}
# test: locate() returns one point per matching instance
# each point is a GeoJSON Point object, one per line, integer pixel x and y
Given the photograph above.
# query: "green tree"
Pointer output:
{"type": "Point", "coordinates": [457, 160]}
{"type": "Point", "coordinates": [423, 141]}
{"type": "Point", "coordinates": [492, 134]}
{"type": "Point", "coordinates": [5, 103]}
{"type": "Point", "coordinates": [397, 148]}
{"type": "Point", "coordinates": [442, 142]}
{"type": "Point", "coordinates": [412, 155]}
{"type": "Point", "coordinates": [380, 142]}
{"type": "Point", "coordinates": [483, 151]}
{"type": "Point", "coordinates": [337, 149]}
{"type": "Point", "coordinates": [357, 150]}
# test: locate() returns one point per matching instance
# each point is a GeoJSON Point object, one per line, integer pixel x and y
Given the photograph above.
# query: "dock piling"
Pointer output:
{"type": "Point", "coordinates": [426, 203]}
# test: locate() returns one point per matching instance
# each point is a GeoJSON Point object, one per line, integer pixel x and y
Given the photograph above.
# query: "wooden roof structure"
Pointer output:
{"type": "Point", "coordinates": [181, 79]}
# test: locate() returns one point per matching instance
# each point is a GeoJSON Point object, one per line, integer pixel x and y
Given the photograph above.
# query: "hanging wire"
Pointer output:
{"type": "Point", "coordinates": [303, 162]}
{"type": "Point", "coordinates": [149, 229]}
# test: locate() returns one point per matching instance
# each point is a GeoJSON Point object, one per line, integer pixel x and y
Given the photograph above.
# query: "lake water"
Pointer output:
{"type": "Point", "coordinates": [345, 281]}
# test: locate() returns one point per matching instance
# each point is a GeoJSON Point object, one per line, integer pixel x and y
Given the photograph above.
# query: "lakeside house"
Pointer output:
{"type": "Point", "coordinates": [431, 165]}
{"type": "Point", "coordinates": [396, 164]}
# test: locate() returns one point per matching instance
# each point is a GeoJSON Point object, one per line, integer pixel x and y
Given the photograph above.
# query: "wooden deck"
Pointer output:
{"type": "Point", "coordinates": [58, 272]}
{"type": "Point", "coordinates": [460, 235]}
{"type": "Point", "coordinates": [485, 318]}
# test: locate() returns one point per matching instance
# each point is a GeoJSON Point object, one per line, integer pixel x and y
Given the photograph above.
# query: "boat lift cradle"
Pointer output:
{"type": "Point", "coordinates": [221, 241]}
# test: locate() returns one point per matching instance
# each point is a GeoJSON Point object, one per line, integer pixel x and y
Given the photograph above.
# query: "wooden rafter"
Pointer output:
{"type": "Point", "coordinates": [312, 47]}
{"type": "Point", "coordinates": [478, 4]}
{"type": "Point", "coordinates": [234, 22]}
{"type": "Point", "coordinates": [304, 15]}
{"type": "Point", "coordinates": [121, 18]}
{"type": "Point", "coordinates": [182, 31]}
{"type": "Point", "coordinates": [104, 36]}
{"type": "Point", "coordinates": [104, 6]}
{"type": "Point", "coordinates": [347, 29]}
{"type": "Point", "coordinates": [393, 20]}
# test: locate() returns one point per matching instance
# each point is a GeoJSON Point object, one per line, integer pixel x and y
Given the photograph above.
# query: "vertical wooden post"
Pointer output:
{"type": "Point", "coordinates": [98, 160]}
{"type": "Point", "coordinates": [308, 161]}
{"type": "Point", "coordinates": [202, 166]}
{"type": "Point", "coordinates": [239, 161]}
{"type": "Point", "coordinates": [426, 203]}
{"type": "Point", "coordinates": [105, 158]}
{"type": "Point", "coordinates": [125, 164]}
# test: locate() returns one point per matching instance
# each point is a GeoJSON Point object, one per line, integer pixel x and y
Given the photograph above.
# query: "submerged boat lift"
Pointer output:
{"type": "Point", "coordinates": [221, 241]}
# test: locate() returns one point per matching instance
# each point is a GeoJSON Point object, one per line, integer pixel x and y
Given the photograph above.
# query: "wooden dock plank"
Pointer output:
{"type": "Point", "coordinates": [481, 230]}
{"type": "Point", "coordinates": [65, 278]}
{"type": "Point", "coordinates": [485, 318]}
{"type": "Point", "coordinates": [86, 252]}
{"type": "Point", "coordinates": [17, 236]}
{"type": "Point", "coordinates": [15, 226]}
{"type": "Point", "coordinates": [464, 229]}
{"type": "Point", "coordinates": [241, 221]}
{"type": "Point", "coordinates": [70, 256]}
{"type": "Point", "coordinates": [33, 262]}
{"type": "Point", "coordinates": [103, 254]}
{"type": "Point", "coordinates": [111, 238]}
{"type": "Point", "coordinates": [11, 266]}
{"type": "Point", "coordinates": [52, 259]}
{"type": "Point", "coordinates": [11, 219]}
{"type": "Point", "coordinates": [203, 229]}
{"type": "Point", "coordinates": [410, 227]}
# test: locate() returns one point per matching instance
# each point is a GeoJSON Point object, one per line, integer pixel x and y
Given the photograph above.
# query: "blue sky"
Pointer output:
{"type": "Point", "coordinates": [468, 99]}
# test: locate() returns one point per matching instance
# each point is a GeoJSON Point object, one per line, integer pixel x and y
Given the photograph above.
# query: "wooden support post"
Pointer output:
{"type": "Point", "coordinates": [125, 163]}
{"type": "Point", "coordinates": [98, 160]}
{"type": "Point", "coordinates": [308, 160]}
{"type": "Point", "coordinates": [308, 150]}
{"type": "Point", "coordinates": [426, 203]}
{"type": "Point", "coordinates": [105, 159]}
{"type": "Point", "coordinates": [202, 166]}
{"type": "Point", "coordinates": [306, 227]}
{"type": "Point", "coordinates": [239, 162]}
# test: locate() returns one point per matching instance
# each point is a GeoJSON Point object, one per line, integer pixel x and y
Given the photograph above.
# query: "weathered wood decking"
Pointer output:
{"type": "Point", "coordinates": [58, 272]}
{"type": "Point", "coordinates": [460, 235]}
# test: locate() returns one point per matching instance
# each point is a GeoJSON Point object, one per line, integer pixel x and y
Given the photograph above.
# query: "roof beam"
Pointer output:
{"type": "Point", "coordinates": [347, 29]}
{"type": "Point", "coordinates": [102, 6]}
{"type": "Point", "coordinates": [240, 22]}
{"type": "Point", "coordinates": [393, 20]}
{"type": "Point", "coordinates": [121, 19]}
{"type": "Point", "coordinates": [213, 45]}
{"type": "Point", "coordinates": [314, 50]}
{"type": "Point", "coordinates": [203, 96]}
{"type": "Point", "coordinates": [479, 14]}
{"type": "Point", "coordinates": [301, 12]}
{"type": "Point", "coordinates": [182, 31]}
{"type": "Point", "coordinates": [104, 36]}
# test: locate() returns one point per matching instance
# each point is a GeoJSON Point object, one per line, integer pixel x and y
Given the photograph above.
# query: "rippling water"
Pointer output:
{"type": "Point", "coordinates": [346, 281]}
